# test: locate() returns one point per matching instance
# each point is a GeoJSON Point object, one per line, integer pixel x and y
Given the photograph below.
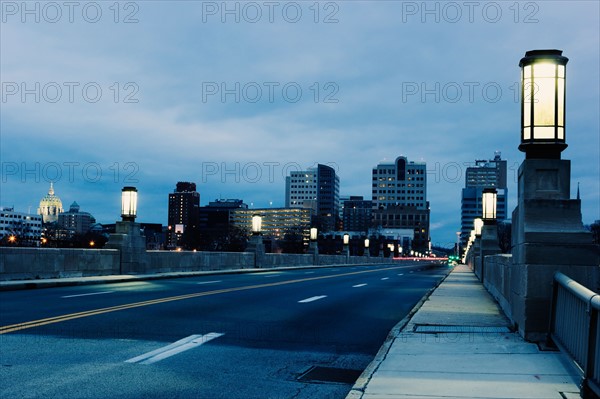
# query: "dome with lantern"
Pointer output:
{"type": "Point", "coordinates": [50, 206]}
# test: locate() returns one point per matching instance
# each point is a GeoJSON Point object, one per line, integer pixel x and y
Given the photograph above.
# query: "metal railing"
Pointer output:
{"type": "Point", "coordinates": [575, 328]}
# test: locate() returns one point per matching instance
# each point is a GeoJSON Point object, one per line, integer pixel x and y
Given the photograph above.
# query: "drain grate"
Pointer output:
{"type": "Point", "coordinates": [330, 374]}
{"type": "Point", "coordinates": [432, 329]}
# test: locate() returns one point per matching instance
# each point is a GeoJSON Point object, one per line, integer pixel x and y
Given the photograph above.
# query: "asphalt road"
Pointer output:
{"type": "Point", "coordinates": [244, 336]}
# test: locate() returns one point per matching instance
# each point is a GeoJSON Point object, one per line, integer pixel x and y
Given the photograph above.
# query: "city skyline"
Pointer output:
{"type": "Point", "coordinates": [182, 103]}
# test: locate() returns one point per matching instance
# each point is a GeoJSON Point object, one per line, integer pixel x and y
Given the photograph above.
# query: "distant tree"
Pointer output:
{"type": "Point", "coordinates": [292, 242]}
{"type": "Point", "coordinates": [505, 236]}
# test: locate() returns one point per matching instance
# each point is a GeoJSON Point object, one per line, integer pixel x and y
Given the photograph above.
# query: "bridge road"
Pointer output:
{"type": "Point", "coordinates": [218, 336]}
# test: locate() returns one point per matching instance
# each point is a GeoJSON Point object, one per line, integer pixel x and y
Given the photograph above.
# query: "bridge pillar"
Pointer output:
{"type": "Point", "coordinates": [547, 236]}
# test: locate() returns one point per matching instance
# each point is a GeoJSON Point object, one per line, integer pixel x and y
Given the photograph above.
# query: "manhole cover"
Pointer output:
{"type": "Point", "coordinates": [330, 374]}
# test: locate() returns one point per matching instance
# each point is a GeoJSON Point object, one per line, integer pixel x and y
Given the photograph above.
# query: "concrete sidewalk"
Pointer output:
{"type": "Point", "coordinates": [458, 345]}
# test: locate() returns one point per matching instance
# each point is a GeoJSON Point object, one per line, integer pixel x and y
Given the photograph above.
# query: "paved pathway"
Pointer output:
{"type": "Point", "coordinates": [459, 345]}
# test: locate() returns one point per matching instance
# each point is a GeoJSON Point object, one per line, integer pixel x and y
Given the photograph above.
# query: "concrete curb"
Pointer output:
{"type": "Point", "coordinates": [92, 280]}
{"type": "Point", "coordinates": [358, 389]}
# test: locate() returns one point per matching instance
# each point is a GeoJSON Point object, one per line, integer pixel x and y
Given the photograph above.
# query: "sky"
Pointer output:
{"type": "Point", "coordinates": [234, 95]}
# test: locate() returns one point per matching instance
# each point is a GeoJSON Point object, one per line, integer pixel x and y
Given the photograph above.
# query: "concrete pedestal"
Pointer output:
{"type": "Point", "coordinates": [131, 243]}
{"type": "Point", "coordinates": [547, 236]}
{"type": "Point", "coordinates": [488, 245]}
{"type": "Point", "coordinates": [313, 249]}
{"type": "Point", "coordinates": [256, 245]}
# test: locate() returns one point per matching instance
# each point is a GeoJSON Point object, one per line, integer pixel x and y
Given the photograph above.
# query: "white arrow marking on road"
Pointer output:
{"type": "Point", "coordinates": [312, 299]}
{"type": "Point", "coordinates": [176, 347]}
{"type": "Point", "coordinates": [209, 282]}
{"type": "Point", "coordinates": [385, 278]}
{"type": "Point", "coordinates": [88, 294]}
{"type": "Point", "coordinates": [358, 285]}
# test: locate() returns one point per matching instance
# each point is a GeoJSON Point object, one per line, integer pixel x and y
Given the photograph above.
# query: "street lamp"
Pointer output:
{"type": "Point", "coordinates": [256, 225]}
{"type": "Point", "coordinates": [543, 80]}
{"type": "Point", "coordinates": [346, 239]}
{"type": "Point", "coordinates": [478, 224]}
{"type": "Point", "coordinates": [488, 203]}
{"type": "Point", "coordinates": [128, 203]}
{"type": "Point", "coordinates": [313, 234]}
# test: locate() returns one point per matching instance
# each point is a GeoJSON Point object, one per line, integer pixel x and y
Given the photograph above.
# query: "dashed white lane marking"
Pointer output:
{"type": "Point", "coordinates": [385, 278]}
{"type": "Point", "coordinates": [400, 274]}
{"type": "Point", "coordinates": [88, 294]}
{"type": "Point", "coordinates": [176, 347]}
{"type": "Point", "coordinates": [309, 272]}
{"type": "Point", "coordinates": [209, 282]}
{"type": "Point", "coordinates": [358, 285]}
{"type": "Point", "coordinates": [312, 299]}
{"type": "Point", "coordinates": [411, 271]}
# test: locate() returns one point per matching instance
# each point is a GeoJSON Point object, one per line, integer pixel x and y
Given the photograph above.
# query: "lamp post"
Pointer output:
{"type": "Point", "coordinates": [255, 243]}
{"type": "Point", "coordinates": [547, 229]}
{"type": "Point", "coordinates": [313, 247]}
{"type": "Point", "coordinates": [367, 251]}
{"type": "Point", "coordinates": [543, 86]}
{"type": "Point", "coordinates": [488, 244]}
{"type": "Point", "coordinates": [346, 250]}
{"type": "Point", "coordinates": [128, 238]}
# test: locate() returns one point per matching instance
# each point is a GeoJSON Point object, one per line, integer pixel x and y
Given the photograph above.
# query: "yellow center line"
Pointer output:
{"type": "Point", "coordinates": [58, 319]}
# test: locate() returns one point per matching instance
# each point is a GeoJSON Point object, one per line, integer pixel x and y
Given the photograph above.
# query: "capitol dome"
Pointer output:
{"type": "Point", "coordinates": [50, 206]}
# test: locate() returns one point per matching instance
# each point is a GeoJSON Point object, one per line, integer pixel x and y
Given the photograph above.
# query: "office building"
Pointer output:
{"type": "Point", "coordinates": [399, 194]}
{"type": "Point", "coordinates": [356, 214]}
{"type": "Point", "coordinates": [26, 229]}
{"type": "Point", "coordinates": [317, 188]}
{"type": "Point", "coordinates": [74, 221]}
{"type": "Point", "coordinates": [184, 203]}
{"type": "Point", "coordinates": [484, 174]}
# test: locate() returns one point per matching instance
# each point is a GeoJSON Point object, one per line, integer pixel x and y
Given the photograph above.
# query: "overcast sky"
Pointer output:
{"type": "Point", "coordinates": [232, 96]}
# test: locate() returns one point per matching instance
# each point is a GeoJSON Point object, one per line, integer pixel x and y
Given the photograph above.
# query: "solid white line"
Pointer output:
{"type": "Point", "coordinates": [91, 293]}
{"type": "Point", "coordinates": [358, 285]}
{"type": "Point", "coordinates": [312, 299]}
{"type": "Point", "coordinates": [176, 347]}
{"type": "Point", "coordinates": [385, 278]}
{"type": "Point", "coordinates": [209, 282]}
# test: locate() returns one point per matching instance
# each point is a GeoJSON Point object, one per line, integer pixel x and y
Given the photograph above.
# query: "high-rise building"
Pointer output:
{"type": "Point", "coordinates": [400, 199]}
{"type": "Point", "coordinates": [184, 203]}
{"type": "Point", "coordinates": [484, 174]}
{"type": "Point", "coordinates": [215, 218]}
{"type": "Point", "coordinates": [317, 188]}
{"type": "Point", "coordinates": [401, 183]}
{"type": "Point", "coordinates": [356, 214]}
{"type": "Point", "coordinates": [50, 206]}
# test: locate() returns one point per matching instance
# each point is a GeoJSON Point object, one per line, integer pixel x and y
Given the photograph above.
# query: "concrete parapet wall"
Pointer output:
{"type": "Point", "coordinates": [282, 260]}
{"type": "Point", "coordinates": [36, 263]}
{"type": "Point", "coordinates": [39, 263]}
{"type": "Point", "coordinates": [497, 280]}
{"type": "Point", "coordinates": [188, 261]}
